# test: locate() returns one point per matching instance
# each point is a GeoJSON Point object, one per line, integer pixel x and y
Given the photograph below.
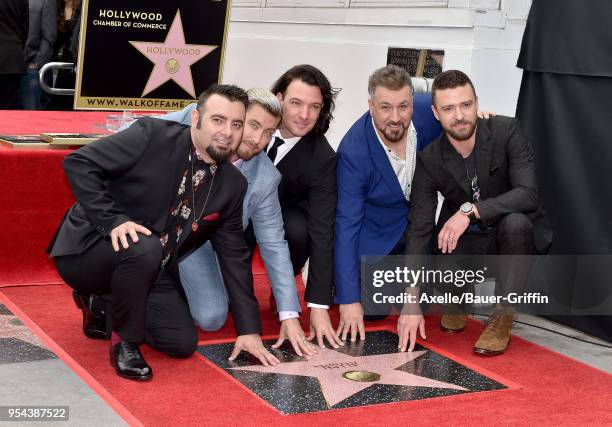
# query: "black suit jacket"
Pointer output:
{"type": "Point", "coordinates": [506, 177]}
{"type": "Point", "coordinates": [134, 176]}
{"type": "Point", "coordinates": [14, 19]}
{"type": "Point", "coordinates": [309, 182]}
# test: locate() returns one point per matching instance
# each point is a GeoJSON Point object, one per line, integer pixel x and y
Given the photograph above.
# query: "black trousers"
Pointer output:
{"type": "Point", "coordinates": [514, 235]}
{"type": "Point", "coordinates": [9, 91]}
{"type": "Point", "coordinates": [250, 239]}
{"type": "Point", "coordinates": [147, 305]}
{"type": "Point", "coordinates": [374, 312]}
{"type": "Point", "coordinates": [296, 233]}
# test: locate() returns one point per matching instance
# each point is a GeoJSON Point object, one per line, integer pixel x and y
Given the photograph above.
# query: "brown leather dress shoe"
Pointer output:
{"type": "Point", "coordinates": [495, 338]}
{"type": "Point", "coordinates": [454, 319]}
{"type": "Point", "coordinates": [453, 322]}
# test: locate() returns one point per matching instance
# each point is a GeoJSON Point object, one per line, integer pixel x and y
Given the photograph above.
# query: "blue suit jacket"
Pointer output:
{"type": "Point", "coordinates": [262, 207]}
{"type": "Point", "coordinates": [372, 210]}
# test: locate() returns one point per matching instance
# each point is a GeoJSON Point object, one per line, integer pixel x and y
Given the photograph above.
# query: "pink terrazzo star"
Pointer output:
{"type": "Point", "coordinates": [172, 58]}
{"type": "Point", "coordinates": [329, 365]}
{"type": "Point", "coordinates": [11, 327]}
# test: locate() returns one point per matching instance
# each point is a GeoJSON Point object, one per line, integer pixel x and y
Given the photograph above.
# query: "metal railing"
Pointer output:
{"type": "Point", "coordinates": [54, 66]}
{"type": "Point", "coordinates": [420, 84]}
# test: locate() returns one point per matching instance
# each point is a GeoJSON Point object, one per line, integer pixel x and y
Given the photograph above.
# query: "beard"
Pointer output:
{"type": "Point", "coordinates": [394, 135]}
{"type": "Point", "coordinates": [461, 135]}
{"type": "Point", "coordinates": [217, 155]}
{"type": "Point", "coordinates": [245, 153]}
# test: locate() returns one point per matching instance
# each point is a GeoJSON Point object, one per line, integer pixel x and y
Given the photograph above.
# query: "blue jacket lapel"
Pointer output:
{"type": "Point", "coordinates": [249, 170]}
{"type": "Point", "coordinates": [381, 161]}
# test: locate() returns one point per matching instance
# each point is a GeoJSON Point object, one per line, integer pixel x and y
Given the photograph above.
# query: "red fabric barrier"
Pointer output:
{"type": "Point", "coordinates": [35, 197]}
{"type": "Point", "coordinates": [35, 193]}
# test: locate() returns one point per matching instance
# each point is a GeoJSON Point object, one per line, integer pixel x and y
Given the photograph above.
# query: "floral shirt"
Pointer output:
{"type": "Point", "coordinates": [182, 213]}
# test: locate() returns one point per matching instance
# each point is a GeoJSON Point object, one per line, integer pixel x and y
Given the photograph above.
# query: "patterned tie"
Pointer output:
{"type": "Point", "coordinates": [274, 149]}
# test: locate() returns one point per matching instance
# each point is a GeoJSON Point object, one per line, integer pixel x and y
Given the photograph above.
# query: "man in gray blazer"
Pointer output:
{"type": "Point", "coordinates": [199, 271]}
{"type": "Point", "coordinates": [485, 171]}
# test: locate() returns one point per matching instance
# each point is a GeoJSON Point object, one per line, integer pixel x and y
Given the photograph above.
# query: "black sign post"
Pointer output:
{"type": "Point", "coordinates": [149, 54]}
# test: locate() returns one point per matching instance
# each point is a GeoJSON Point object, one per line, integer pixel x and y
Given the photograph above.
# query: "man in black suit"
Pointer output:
{"type": "Point", "coordinates": [307, 191]}
{"type": "Point", "coordinates": [14, 18]}
{"type": "Point", "coordinates": [168, 188]}
{"type": "Point", "coordinates": [485, 171]}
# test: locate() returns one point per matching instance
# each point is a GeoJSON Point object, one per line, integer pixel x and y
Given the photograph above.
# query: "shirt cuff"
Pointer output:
{"type": "Point", "coordinates": [285, 315]}
{"type": "Point", "coordinates": [313, 305]}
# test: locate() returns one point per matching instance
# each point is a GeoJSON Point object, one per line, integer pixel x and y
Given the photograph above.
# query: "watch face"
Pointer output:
{"type": "Point", "coordinates": [466, 208]}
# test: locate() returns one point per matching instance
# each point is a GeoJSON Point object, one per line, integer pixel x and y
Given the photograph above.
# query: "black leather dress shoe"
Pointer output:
{"type": "Point", "coordinates": [127, 360]}
{"type": "Point", "coordinates": [94, 319]}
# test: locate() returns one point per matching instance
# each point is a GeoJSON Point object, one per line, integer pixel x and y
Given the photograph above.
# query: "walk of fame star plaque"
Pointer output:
{"type": "Point", "coordinates": [149, 54]}
{"type": "Point", "coordinates": [359, 374]}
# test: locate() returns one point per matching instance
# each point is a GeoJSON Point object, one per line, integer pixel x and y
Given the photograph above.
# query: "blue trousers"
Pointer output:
{"type": "Point", "coordinates": [31, 95]}
{"type": "Point", "coordinates": [203, 284]}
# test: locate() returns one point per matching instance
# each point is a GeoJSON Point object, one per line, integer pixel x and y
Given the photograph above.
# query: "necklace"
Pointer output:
{"type": "Point", "coordinates": [473, 180]}
{"type": "Point", "coordinates": [213, 169]}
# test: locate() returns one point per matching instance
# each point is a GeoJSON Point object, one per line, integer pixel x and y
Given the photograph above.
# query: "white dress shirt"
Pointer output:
{"type": "Point", "coordinates": [404, 169]}
{"type": "Point", "coordinates": [282, 150]}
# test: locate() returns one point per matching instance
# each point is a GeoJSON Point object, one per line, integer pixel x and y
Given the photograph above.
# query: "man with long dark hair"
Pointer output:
{"type": "Point", "coordinates": [307, 191]}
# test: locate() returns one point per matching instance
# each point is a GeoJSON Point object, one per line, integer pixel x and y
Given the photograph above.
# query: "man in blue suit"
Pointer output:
{"type": "Point", "coordinates": [199, 271]}
{"type": "Point", "coordinates": [376, 161]}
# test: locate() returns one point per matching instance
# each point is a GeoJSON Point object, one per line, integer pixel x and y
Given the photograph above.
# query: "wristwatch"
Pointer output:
{"type": "Point", "coordinates": [467, 209]}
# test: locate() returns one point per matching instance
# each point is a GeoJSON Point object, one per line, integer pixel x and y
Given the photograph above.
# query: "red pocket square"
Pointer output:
{"type": "Point", "coordinates": [211, 217]}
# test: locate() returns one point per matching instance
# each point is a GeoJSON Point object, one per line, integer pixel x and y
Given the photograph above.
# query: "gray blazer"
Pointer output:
{"type": "Point", "coordinates": [262, 207]}
{"type": "Point", "coordinates": [42, 33]}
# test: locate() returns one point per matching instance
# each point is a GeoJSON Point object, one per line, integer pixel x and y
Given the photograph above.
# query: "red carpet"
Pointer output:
{"type": "Point", "coordinates": [546, 387]}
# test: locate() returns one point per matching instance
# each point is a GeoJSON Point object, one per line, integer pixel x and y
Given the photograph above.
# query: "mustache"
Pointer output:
{"type": "Point", "coordinates": [391, 123]}
{"type": "Point", "coordinates": [248, 143]}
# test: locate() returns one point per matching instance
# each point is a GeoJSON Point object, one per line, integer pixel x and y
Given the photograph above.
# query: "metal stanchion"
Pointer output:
{"type": "Point", "coordinates": [54, 66]}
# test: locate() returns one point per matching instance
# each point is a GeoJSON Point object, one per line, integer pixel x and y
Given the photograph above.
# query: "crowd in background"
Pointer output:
{"type": "Point", "coordinates": [33, 33]}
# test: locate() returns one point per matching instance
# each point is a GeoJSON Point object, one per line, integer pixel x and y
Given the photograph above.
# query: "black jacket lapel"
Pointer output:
{"type": "Point", "coordinates": [297, 151]}
{"type": "Point", "coordinates": [455, 165]}
{"type": "Point", "coordinates": [483, 155]}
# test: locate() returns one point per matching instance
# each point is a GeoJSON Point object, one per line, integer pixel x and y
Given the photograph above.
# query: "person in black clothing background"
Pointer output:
{"type": "Point", "coordinates": [68, 12]}
{"type": "Point", "coordinates": [14, 21]}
